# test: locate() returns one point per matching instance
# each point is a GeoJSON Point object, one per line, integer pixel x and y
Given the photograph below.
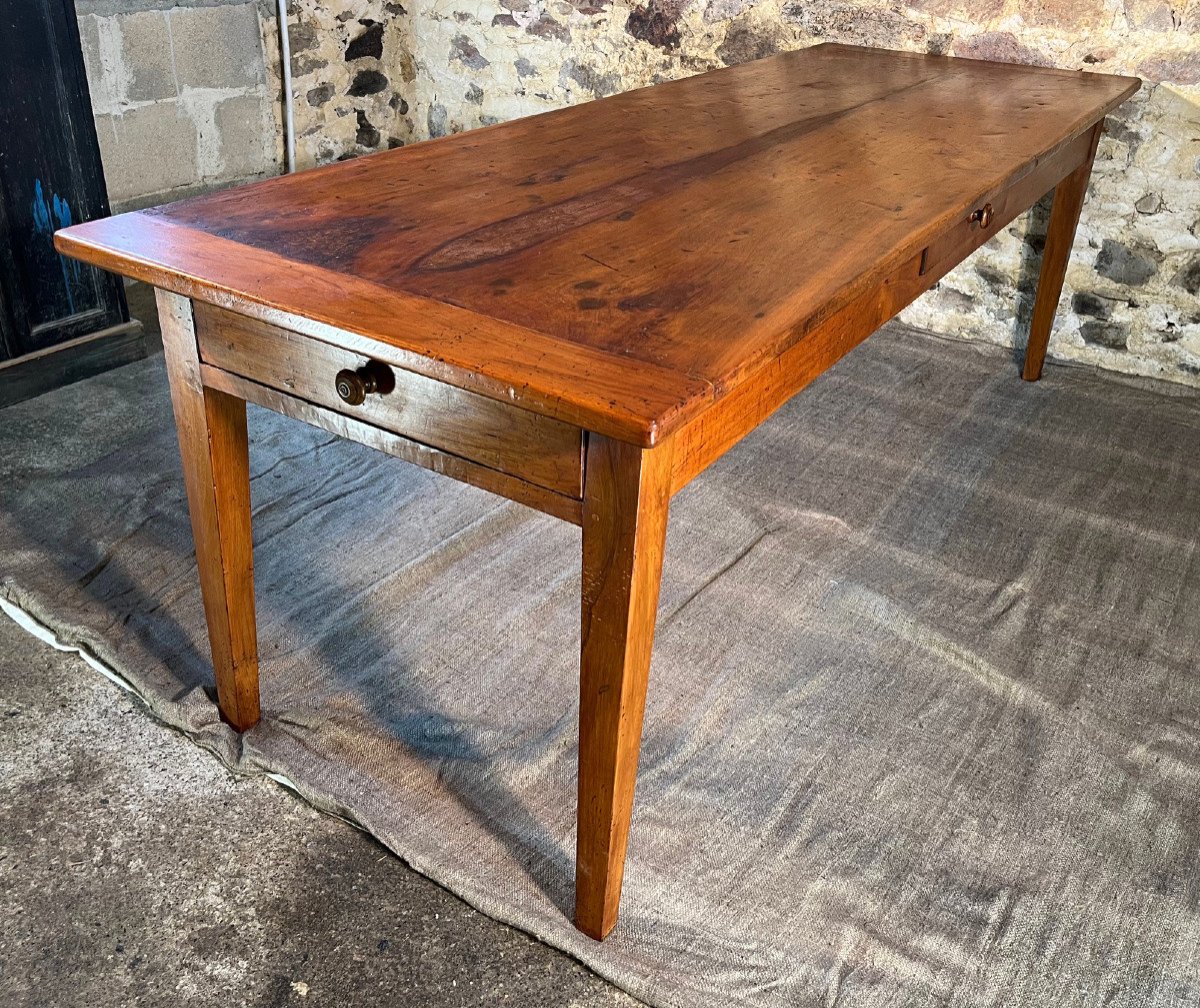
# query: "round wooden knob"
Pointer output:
{"type": "Point", "coordinates": [353, 387]}
{"type": "Point", "coordinates": [984, 216]}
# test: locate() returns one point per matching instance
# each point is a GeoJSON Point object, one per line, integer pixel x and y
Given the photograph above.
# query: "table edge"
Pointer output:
{"type": "Point", "coordinates": [513, 377]}
{"type": "Point", "coordinates": [455, 342]}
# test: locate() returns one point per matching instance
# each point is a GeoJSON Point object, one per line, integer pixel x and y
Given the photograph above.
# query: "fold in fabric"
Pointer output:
{"type": "Point", "coordinates": [924, 717]}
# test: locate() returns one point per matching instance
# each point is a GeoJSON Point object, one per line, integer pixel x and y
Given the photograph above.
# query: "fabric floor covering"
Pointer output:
{"type": "Point", "coordinates": [924, 715]}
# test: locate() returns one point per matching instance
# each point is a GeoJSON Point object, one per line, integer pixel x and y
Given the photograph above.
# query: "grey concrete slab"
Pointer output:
{"type": "Point", "coordinates": [247, 136]}
{"type": "Point", "coordinates": [149, 149]}
{"type": "Point", "coordinates": [146, 54]}
{"type": "Point", "coordinates": [136, 870]}
{"type": "Point", "coordinates": [217, 47]}
{"type": "Point", "coordinates": [108, 8]}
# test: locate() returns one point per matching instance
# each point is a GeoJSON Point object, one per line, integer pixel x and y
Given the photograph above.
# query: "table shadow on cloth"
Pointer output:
{"type": "Point", "coordinates": [923, 724]}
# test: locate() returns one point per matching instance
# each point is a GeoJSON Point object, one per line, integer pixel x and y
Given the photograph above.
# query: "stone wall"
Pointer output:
{"type": "Point", "coordinates": [438, 66]}
{"type": "Point", "coordinates": [182, 95]}
{"type": "Point", "coordinates": [353, 77]}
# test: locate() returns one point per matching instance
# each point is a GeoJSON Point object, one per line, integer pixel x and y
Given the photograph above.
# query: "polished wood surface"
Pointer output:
{"type": "Point", "coordinates": [706, 438]}
{"type": "Point", "coordinates": [533, 448]}
{"type": "Point", "coordinates": [626, 494]}
{"type": "Point", "coordinates": [668, 241]}
{"type": "Point", "coordinates": [710, 435]}
{"type": "Point", "coordinates": [216, 471]}
{"type": "Point", "coordinates": [1060, 237]}
{"type": "Point", "coordinates": [1004, 205]}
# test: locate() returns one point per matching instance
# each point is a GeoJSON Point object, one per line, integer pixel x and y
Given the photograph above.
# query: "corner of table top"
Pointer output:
{"type": "Point", "coordinates": [629, 399]}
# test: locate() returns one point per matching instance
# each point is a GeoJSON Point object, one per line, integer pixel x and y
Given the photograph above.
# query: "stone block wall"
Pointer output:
{"type": "Point", "coordinates": [1133, 290]}
{"type": "Point", "coordinates": [353, 77]}
{"type": "Point", "coordinates": [182, 95]}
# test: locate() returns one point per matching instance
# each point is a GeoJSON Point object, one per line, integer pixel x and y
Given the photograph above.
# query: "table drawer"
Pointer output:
{"type": "Point", "coordinates": [995, 210]}
{"type": "Point", "coordinates": [506, 438]}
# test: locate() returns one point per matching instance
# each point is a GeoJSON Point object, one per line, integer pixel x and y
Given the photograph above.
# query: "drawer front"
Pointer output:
{"type": "Point", "coordinates": [998, 209]}
{"type": "Point", "coordinates": [506, 438]}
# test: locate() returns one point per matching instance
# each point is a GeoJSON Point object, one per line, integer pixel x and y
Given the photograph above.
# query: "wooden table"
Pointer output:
{"type": "Point", "coordinates": [582, 310]}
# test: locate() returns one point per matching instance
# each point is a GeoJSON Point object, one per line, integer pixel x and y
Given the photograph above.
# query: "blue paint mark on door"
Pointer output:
{"type": "Point", "coordinates": [50, 214]}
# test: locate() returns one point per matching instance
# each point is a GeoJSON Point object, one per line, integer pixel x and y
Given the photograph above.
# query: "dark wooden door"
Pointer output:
{"type": "Point", "coordinates": [50, 176]}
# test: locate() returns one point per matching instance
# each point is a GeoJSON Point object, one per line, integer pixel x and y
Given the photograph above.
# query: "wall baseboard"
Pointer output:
{"type": "Point", "coordinates": [25, 377]}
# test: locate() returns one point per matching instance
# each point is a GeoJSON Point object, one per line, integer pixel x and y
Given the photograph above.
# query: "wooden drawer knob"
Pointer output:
{"type": "Point", "coordinates": [353, 387]}
{"type": "Point", "coordinates": [984, 216]}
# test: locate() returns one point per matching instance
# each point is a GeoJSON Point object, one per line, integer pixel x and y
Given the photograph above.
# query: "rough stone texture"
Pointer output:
{"type": "Point", "coordinates": [182, 96]}
{"type": "Point", "coordinates": [352, 77]}
{"type": "Point", "coordinates": [367, 44]}
{"type": "Point", "coordinates": [457, 65]}
{"type": "Point", "coordinates": [1130, 266]}
{"type": "Point", "coordinates": [136, 870]}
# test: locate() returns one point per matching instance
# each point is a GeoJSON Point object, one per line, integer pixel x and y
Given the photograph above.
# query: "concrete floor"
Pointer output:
{"type": "Point", "coordinates": [163, 878]}
{"type": "Point", "coordinates": [136, 870]}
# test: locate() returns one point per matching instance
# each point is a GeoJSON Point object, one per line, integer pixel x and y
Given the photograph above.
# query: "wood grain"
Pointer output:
{"type": "Point", "coordinates": [1060, 238]}
{"type": "Point", "coordinates": [966, 235]}
{"type": "Point", "coordinates": [625, 287]}
{"type": "Point", "coordinates": [497, 435]}
{"type": "Point", "coordinates": [825, 341]}
{"type": "Point", "coordinates": [626, 495]}
{"type": "Point", "coordinates": [576, 383]}
{"type": "Point", "coordinates": [708, 437]}
{"type": "Point", "coordinates": [465, 471]}
{"type": "Point", "coordinates": [216, 471]}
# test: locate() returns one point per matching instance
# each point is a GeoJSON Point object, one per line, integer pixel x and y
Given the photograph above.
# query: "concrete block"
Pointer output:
{"type": "Point", "coordinates": [217, 47]}
{"type": "Point", "coordinates": [89, 38]}
{"type": "Point", "coordinates": [148, 150]}
{"type": "Point", "coordinates": [101, 43]}
{"type": "Point", "coordinates": [246, 137]}
{"type": "Point", "coordinates": [149, 68]}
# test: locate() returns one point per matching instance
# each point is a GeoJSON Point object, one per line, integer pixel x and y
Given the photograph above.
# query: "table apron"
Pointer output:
{"type": "Point", "coordinates": [1005, 205]}
{"type": "Point", "coordinates": [494, 435]}
{"type": "Point", "coordinates": [464, 470]}
{"type": "Point", "coordinates": [538, 460]}
{"type": "Point", "coordinates": [704, 440]}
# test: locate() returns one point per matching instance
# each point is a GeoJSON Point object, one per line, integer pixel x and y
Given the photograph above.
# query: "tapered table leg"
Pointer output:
{"type": "Point", "coordinates": [626, 494]}
{"type": "Point", "coordinates": [1069, 195]}
{"type": "Point", "coordinates": [216, 471]}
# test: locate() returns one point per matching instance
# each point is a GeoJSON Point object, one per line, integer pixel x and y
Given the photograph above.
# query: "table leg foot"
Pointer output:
{"type": "Point", "coordinates": [626, 495]}
{"type": "Point", "coordinates": [216, 470]}
{"type": "Point", "coordinates": [1069, 195]}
